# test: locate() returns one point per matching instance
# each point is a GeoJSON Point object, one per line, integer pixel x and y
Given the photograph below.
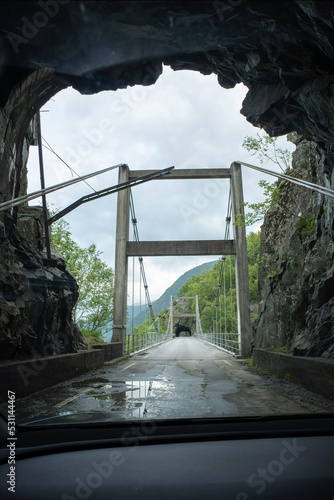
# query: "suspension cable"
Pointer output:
{"type": "Point", "coordinates": [133, 291]}
{"type": "Point", "coordinates": [299, 182]}
{"type": "Point", "coordinates": [50, 148]}
{"type": "Point", "coordinates": [107, 191]}
{"type": "Point", "coordinates": [225, 319]}
{"type": "Point", "coordinates": [141, 263]}
{"type": "Point", "coordinates": [36, 194]}
{"type": "Point", "coordinates": [222, 278]}
{"type": "Point", "coordinates": [231, 293]}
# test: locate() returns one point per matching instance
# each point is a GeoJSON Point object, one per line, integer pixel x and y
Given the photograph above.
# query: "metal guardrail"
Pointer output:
{"type": "Point", "coordinates": [140, 341]}
{"type": "Point", "coordinates": [228, 342]}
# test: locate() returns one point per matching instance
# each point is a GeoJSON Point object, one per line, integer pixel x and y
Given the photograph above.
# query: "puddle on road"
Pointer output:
{"type": "Point", "coordinates": [129, 395]}
{"type": "Point", "coordinates": [90, 381]}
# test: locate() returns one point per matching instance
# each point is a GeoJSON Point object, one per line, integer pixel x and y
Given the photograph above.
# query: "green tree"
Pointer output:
{"type": "Point", "coordinates": [259, 210]}
{"type": "Point", "coordinates": [205, 286]}
{"type": "Point", "coordinates": [94, 308]}
{"type": "Point", "coordinates": [265, 149]}
{"type": "Point", "coordinates": [253, 254]}
{"type": "Point", "coordinates": [253, 248]}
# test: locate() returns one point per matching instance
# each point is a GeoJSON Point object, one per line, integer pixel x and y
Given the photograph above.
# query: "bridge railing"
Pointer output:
{"type": "Point", "coordinates": [139, 341]}
{"type": "Point", "coordinates": [228, 342]}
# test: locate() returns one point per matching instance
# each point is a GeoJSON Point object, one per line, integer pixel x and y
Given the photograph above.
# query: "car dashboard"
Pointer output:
{"type": "Point", "coordinates": [290, 457]}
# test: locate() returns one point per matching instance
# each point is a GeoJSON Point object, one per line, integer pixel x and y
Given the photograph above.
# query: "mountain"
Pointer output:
{"type": "Point", "coordinates": [136, 310]}
{"type": "Point", "coordinates": [164, 301]}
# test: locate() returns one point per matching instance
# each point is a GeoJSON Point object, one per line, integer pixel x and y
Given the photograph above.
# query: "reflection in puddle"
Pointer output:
{"type": "Point", "coordinates": [130, 395]}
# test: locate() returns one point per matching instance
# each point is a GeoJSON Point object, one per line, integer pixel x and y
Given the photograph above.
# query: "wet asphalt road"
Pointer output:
{"type": "Point", "coordinates": [180, 378]}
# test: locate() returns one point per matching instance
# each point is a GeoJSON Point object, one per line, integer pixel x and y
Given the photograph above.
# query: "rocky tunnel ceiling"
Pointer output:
{"type": "Point", "coordinates": [282, 51]}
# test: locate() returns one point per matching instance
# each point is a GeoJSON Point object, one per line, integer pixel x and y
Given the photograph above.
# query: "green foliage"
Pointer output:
{"type": "Point", "coordinates": [163, 302]}
{"type": "Point", "coordinates": [94, 308]}
{"type": "Point", "coordinates": [265, 149]}
{"type": "Point", "coordinates": [259, 210]}
{"type": "Point", "coordinates": [254, 318]}
{"type": "Point", "coordinates": [141, 335]}
{"type": "Point", "coordinates": [253, 248]}
{"type": "Point", "coordinates": [305, 225]}
{"type": "Point", "coordinates": [250, 361]}
{"type": "Point", "coordinates": [275, 272]}
{"type": "Point", "coordinates": [205, 286]}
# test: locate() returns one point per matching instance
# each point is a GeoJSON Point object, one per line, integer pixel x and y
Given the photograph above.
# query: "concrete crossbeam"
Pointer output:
{"type": "Point", "coordinates": [187, 173]}
{"type": "Point", "coordinates": [184, 315]}
{"type": "Point", "coordinates": [164, 248]}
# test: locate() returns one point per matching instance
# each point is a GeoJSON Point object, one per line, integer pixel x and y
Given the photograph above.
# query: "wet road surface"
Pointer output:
{"type": "Point", "coordinates": [181, 378]}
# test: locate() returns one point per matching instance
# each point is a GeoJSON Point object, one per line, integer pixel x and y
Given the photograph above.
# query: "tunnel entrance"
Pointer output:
{"type": "Point", "coordinates": [182, 330]}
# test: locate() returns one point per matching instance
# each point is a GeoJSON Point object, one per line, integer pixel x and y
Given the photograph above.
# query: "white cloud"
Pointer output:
{"type": "Point", "coordinates": [186, 120]}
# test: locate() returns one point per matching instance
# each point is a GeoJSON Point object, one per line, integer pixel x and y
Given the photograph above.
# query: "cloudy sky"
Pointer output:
{"type": "Point", "coordinates": [185, 120]}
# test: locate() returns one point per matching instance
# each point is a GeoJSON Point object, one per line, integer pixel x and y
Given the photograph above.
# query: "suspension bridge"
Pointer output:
{"type": "Point", "coordinates": [182, 377]}
{"type": "Point", "coordinates": [233, 338]}
{"type": "Point", "coordinates": [237, 339]}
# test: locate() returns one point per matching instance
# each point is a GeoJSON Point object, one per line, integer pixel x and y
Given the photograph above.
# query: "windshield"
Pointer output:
{"type": "Point", "coordinates": [161, 256]}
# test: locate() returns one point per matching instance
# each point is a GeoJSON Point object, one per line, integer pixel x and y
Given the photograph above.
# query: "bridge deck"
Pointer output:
{"type": "Point", "coordinates": [180, 378]}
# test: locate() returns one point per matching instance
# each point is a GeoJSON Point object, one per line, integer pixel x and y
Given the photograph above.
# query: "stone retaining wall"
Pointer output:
{"type": "Point", "coordinates": [111, 351]}
{"type": "Point", "coordinates": [27, 377]}
{"type": "Point", "coordinates": [314, 374]}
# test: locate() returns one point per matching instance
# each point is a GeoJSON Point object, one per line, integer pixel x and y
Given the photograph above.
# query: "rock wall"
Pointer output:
{"type": "Point", "coordinates": [297, 274]}
{"type": "Point", "coordinates": [37, 295]}
{"type": "Point", "coordinates": [282, 51]}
